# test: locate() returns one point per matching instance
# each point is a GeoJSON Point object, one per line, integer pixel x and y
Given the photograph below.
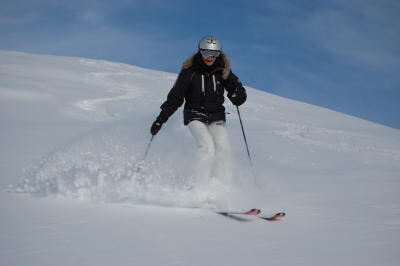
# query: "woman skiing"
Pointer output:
{"type": "Point", "coordinates": [201, 84]}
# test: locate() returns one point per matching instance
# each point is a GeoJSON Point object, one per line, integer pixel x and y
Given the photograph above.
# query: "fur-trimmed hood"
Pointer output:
{"type": "Point", "coordinates": [226, 69]}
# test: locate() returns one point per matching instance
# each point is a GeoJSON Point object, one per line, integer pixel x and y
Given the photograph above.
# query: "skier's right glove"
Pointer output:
{"type": "Point", "coordinates": [155, 127]}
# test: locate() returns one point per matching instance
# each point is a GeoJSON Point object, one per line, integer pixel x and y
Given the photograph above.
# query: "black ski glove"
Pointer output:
{"type": "Point", "coordinates": [155, 127]}
{"type": "Point", "coordinates": [238, 97]}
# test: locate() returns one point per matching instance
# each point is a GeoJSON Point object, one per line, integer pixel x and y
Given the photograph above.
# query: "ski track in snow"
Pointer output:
{"type": "Point", "coordinates": [98, 107]}
{"type": "Point", "coordinates": [338, 140]}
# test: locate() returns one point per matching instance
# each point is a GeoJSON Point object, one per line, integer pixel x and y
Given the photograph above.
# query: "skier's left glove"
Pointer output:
{"type": "Point", "coordinates": [238, 97]}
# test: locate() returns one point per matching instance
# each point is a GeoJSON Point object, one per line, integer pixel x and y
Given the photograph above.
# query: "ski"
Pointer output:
{"type": "Point", "coordinates": [274, 217]}
{"type": "Point", "coordinates": [249, 212]}
{"type": "Point", "coordinates": [237, 215]}
{"type": "Point", "coordinates": [252, 212]}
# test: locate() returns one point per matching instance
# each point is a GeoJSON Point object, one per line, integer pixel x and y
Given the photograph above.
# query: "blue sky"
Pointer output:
{"type": "Point", "coordinates": [340, 54]}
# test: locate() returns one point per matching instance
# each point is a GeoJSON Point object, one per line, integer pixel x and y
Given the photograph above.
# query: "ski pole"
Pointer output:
{"type": "Point", "coordinates": [247, 145]}
{"type": "Point", "coordinates": [145, 153]}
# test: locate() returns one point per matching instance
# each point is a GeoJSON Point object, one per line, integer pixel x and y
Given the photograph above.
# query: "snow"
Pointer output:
{"type": "Point", "coordinates": [73, 134]}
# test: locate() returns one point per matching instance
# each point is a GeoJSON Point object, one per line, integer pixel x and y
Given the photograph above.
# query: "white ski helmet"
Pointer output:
{"type": "Point", "coordinates": [210, 43]}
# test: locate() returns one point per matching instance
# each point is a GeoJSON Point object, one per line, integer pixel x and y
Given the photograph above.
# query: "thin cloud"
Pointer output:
{"type": "Point", "coordinates": [363, 37]}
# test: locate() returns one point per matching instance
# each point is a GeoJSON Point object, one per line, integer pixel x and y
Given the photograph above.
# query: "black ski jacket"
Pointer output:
{"type": "Point", "coordinates": [202, 88]}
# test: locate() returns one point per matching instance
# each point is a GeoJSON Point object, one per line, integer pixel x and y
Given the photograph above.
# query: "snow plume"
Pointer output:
{"type": "Point", "coordinates": [103, 167]}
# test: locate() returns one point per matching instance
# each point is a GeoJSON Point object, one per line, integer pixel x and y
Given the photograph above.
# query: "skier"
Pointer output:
{"type": "Point", "coordinates": [201, 84]}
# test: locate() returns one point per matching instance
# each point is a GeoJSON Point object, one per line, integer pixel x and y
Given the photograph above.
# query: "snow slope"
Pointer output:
{"type": "Point", "coordinates": [73, 133]}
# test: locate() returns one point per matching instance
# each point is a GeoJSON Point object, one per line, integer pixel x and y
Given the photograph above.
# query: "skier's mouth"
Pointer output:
{"type": "Point", "coordinates": [209, 60]}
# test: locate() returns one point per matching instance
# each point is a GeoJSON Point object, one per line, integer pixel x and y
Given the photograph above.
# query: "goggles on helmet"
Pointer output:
{"type": "Point", "coordinates": [209, 53]}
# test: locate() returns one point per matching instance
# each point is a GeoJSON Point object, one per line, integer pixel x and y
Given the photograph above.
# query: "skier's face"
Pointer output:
{"type": "Point", "coordinates": [209, 60]}
{"type": "Point", "coordinates": [209, 56]}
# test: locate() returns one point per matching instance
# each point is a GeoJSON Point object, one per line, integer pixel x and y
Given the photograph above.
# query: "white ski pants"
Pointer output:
{"type": "Point", "coordinates": [213, 154]}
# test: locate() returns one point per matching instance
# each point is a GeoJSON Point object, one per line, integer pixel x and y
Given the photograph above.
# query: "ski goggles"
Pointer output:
{"type": "Point", "coordinates": [210, 53]}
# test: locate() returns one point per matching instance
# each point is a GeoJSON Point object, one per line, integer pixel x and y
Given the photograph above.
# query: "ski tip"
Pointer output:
{"type": "Point", "coordinates": [279, 215]}
{"type": "Point", "coordinates": [274, 217]}
{"type": "Point", "coordinates": [253, 212]}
